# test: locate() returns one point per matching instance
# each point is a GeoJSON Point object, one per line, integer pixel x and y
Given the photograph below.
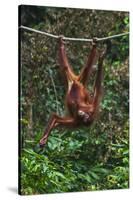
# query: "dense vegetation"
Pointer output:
{"type": "Point", "coordinates": [93, 158]}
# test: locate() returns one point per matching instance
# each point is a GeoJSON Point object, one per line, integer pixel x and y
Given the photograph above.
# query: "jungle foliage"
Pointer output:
{"type": "Point", "coordinates": [93, 158]}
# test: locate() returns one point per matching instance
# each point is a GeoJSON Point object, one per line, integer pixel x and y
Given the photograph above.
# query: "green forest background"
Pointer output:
{"type": "Point", "coordinates": [87, 159]}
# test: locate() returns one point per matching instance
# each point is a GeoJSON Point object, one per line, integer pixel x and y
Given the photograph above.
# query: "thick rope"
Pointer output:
{"type": "Point", "coordinates": [73, 39]}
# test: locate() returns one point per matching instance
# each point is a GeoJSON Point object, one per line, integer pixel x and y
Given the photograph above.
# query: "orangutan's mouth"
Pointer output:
{"type": "Point", "coordinates": [84, 115]}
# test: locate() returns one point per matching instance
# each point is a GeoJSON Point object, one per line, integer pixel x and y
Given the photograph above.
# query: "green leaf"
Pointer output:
{"type": "Point", "coordinates": [88, 178]}
{"type": "Point", "coordinates": [94, 175]}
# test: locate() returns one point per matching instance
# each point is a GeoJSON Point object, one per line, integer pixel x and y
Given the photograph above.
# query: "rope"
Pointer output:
{"type": "Point", "coordinates": [73, 39]}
